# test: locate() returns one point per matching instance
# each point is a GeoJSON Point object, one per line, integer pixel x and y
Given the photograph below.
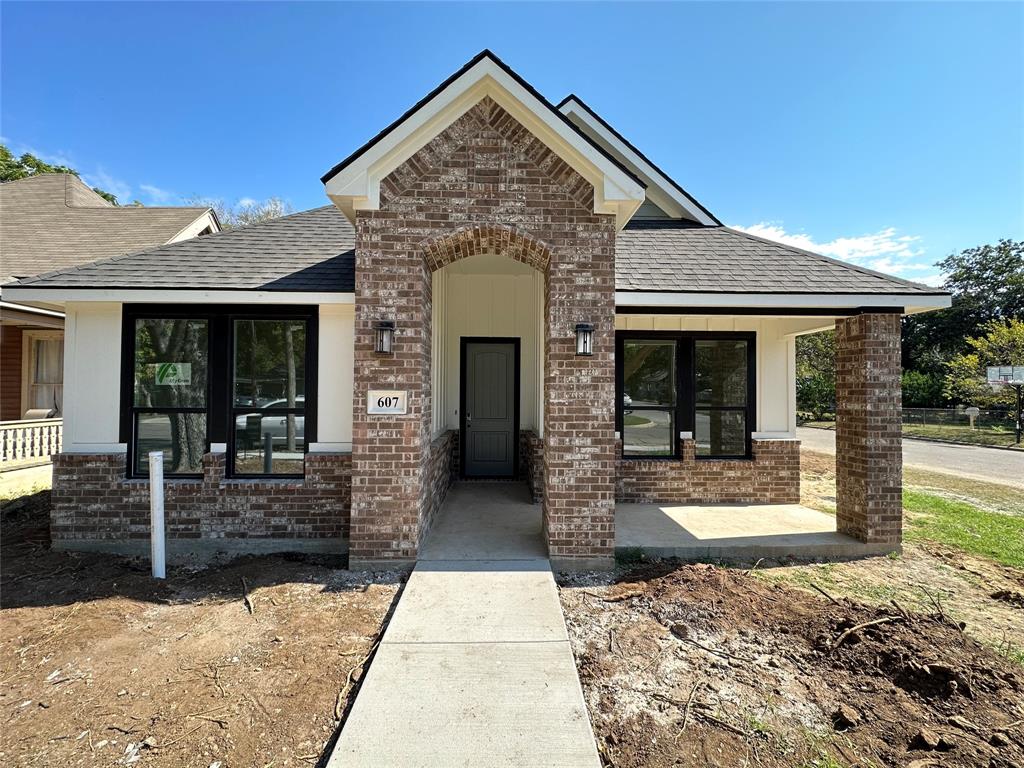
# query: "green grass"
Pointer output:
{"type": "Point", "coordinates": [632, 420]}
{"type": "Point", "coordinates": [964, 526]}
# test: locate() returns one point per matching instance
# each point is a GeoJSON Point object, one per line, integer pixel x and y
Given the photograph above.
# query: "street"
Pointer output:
{"type": "Point", "coordinates": [992, 464]}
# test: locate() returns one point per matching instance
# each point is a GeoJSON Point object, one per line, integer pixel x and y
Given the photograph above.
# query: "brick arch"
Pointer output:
{"type": "Point", "coordinates": [476, 239]}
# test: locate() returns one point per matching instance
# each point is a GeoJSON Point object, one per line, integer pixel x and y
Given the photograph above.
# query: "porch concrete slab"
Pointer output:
{"type": "Point", "coordinates": [486, 521]}
{"type": "Point", "coordinates": [477, 602]}
{"type": "Point", "coordinates": [733, 531]}
{"type": "Point", "coordinates": [478, 704]}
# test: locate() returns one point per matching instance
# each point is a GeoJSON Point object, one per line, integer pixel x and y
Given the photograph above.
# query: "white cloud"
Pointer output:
{"type": "Point", "coordinates": [157, 195]}
{"type": "Point", "coordinates": [247, 202]}
{"type": "Point", "coordinates": [885, 251]}
{"type": "Point", "coordinates": [122, 190]}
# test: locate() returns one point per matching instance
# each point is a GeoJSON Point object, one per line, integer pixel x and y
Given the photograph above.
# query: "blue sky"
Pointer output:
{"type": "Point", "coordinates": [888, 134]}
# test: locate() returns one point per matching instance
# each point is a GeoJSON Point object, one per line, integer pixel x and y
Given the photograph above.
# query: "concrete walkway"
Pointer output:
{"type": "Point", "coordinates": [475, 668]}
{"type": "Point", "coordinates": [992, 465]}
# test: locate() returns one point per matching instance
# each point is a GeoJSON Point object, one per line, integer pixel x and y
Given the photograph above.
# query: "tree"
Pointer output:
{"type": "Point", "coordinates": [816, 373]}
{"type": "Point", "coordinates": [1001, 344]}
{"type": "Point", "coordinates": [987, 283]}
{"type": "Point", "coordinates": [922, 390]}
{"type": "Point", "coordinates": [244, 212]}
{"type": "Point", "coordinates": [13, 168]}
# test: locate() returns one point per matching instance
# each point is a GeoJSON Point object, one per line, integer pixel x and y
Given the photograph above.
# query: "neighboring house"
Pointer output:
{"type": "Point", "coordinates": [52, 222]}
{"type": "Point", "coordinates": [500, 288]}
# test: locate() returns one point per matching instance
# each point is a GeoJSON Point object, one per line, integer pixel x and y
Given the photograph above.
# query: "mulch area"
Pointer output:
{"type": "Point", "coordinates": [708, 666]}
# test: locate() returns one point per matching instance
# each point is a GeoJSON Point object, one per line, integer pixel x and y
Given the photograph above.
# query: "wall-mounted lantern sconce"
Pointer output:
{"type": "Point", "coordinates": [383, 336]}
{"type": "Point", "coordinates": [584, 339]}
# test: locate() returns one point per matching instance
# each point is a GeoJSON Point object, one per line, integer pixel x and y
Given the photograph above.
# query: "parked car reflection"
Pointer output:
{"type": "Point", "coordinates": [252, 427]}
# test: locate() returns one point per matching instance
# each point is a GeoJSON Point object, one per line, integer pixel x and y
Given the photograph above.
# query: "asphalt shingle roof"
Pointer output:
{"type": "Point", "coordinates": [674, 256]}
{"type": "Point", "coordinates": [54, 221]}
{"type": "Point", "coordinates": [308, 251]}
{"type": "Point", "coordinates": [314, 251]}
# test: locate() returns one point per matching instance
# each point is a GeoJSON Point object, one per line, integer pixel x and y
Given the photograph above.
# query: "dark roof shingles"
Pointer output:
{"type": "Point", "coordinates": [308, 251]}
{"type": "Point", "coordinates": [314, 251]}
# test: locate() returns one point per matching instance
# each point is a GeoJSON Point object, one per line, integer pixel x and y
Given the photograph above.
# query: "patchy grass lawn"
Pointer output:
{"type": "Point", "coordinates": [964, 526]}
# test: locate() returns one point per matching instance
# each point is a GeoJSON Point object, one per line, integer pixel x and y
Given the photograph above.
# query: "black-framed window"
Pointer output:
{"type": "Point", "coordinates": [240, 375]}
{"type": "Point", "coordinates": [268, 396]}
{"type": "Point", "coordinates": [672, 382]}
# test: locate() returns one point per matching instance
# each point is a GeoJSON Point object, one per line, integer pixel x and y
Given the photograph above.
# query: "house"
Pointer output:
{"type": "Point", "coordinates": [500, 288]}
{"type": "Point", "coordinates": [52, 222]}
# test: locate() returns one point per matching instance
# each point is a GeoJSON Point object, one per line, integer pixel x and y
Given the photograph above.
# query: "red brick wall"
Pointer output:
{"type": "Point", "coordinates": [531, 463]}
{"type": "Point", "coordinates": [485, 184]}
{"type": "Point", "coordinates": [94, 502]}
{"type": "Point", "coordinates": [869, 443]}
{"type": "Point", "coordinates": [771, 477]}
{"type": "Point", "coordinates": [10, 373]}
{"type": "Point", "coordinates": [440, 472]}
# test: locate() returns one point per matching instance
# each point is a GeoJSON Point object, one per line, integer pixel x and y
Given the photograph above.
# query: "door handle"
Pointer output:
{"type": "Point", "coordinates": [469, 420]}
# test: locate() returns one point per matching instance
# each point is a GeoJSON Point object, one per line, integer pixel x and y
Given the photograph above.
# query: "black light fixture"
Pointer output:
{"type": "Point", "coordinates": [584, 339]}
{"type": "Point", "coordinates": [383, 336]}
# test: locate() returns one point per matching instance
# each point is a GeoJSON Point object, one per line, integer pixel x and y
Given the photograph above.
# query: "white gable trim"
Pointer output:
{"type": "Point", "coordinates": [356, 187]}
{"type": "Point", "coordinates": [660, 190]}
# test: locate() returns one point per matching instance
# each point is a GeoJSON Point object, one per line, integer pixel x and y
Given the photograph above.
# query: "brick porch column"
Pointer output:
{"type": "Point", "coordinates": [869, 458]}
{"type": "Point", "coordinates": [579, 404]}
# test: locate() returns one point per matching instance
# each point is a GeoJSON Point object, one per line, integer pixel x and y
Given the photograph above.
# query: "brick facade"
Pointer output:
{"type": "Point", "coordinates": [869, 448]}
{"type": "Point", "coordinates": [95, 507]}
{"type": "Point", "coordinates": [484, 185]}
{"type": "Point", "coordinates": [531, 463]}
{"type": "Point", "coordinates": [771, 477]}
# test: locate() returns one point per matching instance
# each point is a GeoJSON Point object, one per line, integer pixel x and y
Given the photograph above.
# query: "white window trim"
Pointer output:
{"type": "Point", "coordinates": [28, 337]}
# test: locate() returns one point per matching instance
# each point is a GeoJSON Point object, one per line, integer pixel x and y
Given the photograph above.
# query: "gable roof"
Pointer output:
{"type": "Point", "coordinates": [313, 252]}
{"type": "Point", "coordinates": [310, 251]}
{"type": "Point", "coordinates": [674, 256]}
{"type": "Point", "coordinates": [54, 221]}
{"type": "Point", "coordinates": [661, 188]}
{"type": "Point", "coordinates": [354, 183]}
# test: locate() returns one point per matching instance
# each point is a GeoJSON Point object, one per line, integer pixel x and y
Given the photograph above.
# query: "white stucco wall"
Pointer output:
{"type": "Point", "coordinates": [92, 377]}
{"type": "Point", "coordinates": [776, 358]}
{"type": "Point", "coordinates": [487, 296]}
{"type": "Point", "coordinates": [334, 378]}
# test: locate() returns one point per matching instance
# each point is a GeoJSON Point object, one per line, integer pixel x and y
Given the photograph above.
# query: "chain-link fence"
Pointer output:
{"type": "Point", "coordinates": [961, 425]}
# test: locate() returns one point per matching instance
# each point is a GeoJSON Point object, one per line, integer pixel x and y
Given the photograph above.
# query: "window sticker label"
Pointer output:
{"type": "Point", "coordinates": [386, 401]}
{"type": "Point", "coordinates": [169, 374]}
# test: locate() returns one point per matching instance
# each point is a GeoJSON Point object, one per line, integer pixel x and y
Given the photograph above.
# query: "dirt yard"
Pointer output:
{"type": "Point", "coordinates": [100, 665]}
{"type": "Point", "coordinates": [698, 665]}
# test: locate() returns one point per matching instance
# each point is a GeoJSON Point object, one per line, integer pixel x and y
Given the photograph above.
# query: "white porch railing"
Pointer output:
{"type": "Point", "coordinates": [29, 443]}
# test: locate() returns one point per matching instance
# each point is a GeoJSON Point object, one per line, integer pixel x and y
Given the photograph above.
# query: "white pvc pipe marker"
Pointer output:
{"type": "Point", "coordinates": [156, 513]}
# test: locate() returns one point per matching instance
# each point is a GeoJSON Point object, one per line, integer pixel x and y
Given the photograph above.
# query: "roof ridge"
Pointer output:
{"type": "Point", "coordinates": [831, 260]}
{"type": "Point", "coordinates": [632, 146]}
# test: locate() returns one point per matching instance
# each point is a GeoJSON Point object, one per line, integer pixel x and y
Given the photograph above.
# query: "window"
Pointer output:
{"type": "Point", "coordinates": [669, 382]}
{"type": "Point", "coordinates": [169, 400]}
{"type": "Point", "coordinates": [43, 382]}
{"type": "Point", "coordinates": [649, 397]}
{"type": "Point", "coordinates": [269, 396]}
{"type": "Point", "coordinates": [220, 374]}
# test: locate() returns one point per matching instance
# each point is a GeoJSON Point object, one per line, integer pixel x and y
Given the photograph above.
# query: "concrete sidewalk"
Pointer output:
{"type": "Point", "coordinates": [475, 668]}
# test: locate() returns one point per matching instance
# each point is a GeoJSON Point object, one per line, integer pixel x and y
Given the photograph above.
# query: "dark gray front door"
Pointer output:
{"type": "Point", "coordinates": [489, 412]}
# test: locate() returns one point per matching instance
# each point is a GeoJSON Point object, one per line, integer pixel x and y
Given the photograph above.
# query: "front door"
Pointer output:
{"type": "Point", "coordinates": [490, 400]}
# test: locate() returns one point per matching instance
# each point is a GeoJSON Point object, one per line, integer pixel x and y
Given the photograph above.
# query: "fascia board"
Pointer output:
{"type": "Point", "coordinates": [615, 192]}
{"type": "Point", "coordinates": [912, 303]}
{"type": "Point", "coordinates": [663, 194]}
{"type": "Point", "coordinates": [179, 295]}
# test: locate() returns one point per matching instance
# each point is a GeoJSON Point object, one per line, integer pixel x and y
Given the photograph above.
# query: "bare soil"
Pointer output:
{"type": "Point", "coordinates": [101, 665]}
{"type": "Point", "coordinates": [699, 665]}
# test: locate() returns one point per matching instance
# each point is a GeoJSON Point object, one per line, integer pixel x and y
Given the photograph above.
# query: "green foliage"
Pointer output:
{"type": "Point", "coordinates": [987, 283]}
{"type": "Point", "coordinates": [964, 526]}
{"type": "Point", "coordinates": [13, 168]}
{"type": "Point", "coordinates": [816, 373]}
{"type": "Point", "coordinates": [1002, 343]}
{"type": "Point", "coordinates": [922, 390]}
